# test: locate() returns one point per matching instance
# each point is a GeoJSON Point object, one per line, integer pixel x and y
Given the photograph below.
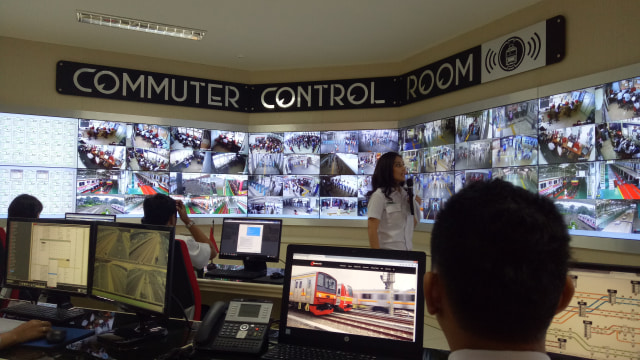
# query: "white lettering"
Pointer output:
{"type": "Point", "coordinates": [231, 99]}
{"type": "Point", "coordinates": [423, 90]}
{"type": "Point", "coordinates": [463, 70]}
{"type": "Point", "coordinates": [100, 87]}
{"type": "Point", "coordinates": [173, 90]}
{"type": "Point", "coordinates": [373, 95]}
{"type": "Point", "coordinates": [127, 83]}
{"type": "Point", "coordinates": [211, 98]}
{"type": "Point", "coordinates": [412, 82]}
{"type": "Point", "coordinates": [441, 84]}
{"type": "Point", "coordinates": [303, 94]}
{"type": "Point", "coordinates": [352, 98]}
{"type": "Point", "coordinates": [319, 88]}
{"type": "Point", "coordinates": [337, 98]}
{"type": "Point", "coordinates": [264, 103]}
{"type": "Point", "coordinates": [76, 75]}
{"type": "Point", "coordinates": [164, 85]}
{"type": "Point", "coordinates": [197, 85]}
{"type": "Point", "coordinates": [281, 102]}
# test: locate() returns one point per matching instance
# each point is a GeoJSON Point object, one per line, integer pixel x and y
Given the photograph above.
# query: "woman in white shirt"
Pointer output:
{"type": "Point", "coordinates": [390, 224]}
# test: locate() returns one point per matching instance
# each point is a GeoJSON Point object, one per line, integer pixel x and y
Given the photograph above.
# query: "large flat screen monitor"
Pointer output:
{"type": "Point", "coordinates": [254, 241]}
{"type": "Point", "coordinates": [132, 265]}
{"type": "Point", "coordinates": [49, 254]}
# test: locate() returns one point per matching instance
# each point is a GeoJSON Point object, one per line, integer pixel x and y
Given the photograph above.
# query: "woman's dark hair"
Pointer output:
{"type": "Point", "coordinates": [25, 206]}
{"type": "Point", "coordinates": [158, 209]}
{"type": "Point", "coordinates": [383, 174]}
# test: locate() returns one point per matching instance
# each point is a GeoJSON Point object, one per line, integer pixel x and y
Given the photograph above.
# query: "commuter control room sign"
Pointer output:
{"type": "Point", "coordinates": [533, 47]}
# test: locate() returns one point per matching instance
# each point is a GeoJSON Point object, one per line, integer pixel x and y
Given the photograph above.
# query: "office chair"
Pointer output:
{"type": "Point", "coordinates": [184, 287]}
{"type": "Point", "coordinates": [13, 293]}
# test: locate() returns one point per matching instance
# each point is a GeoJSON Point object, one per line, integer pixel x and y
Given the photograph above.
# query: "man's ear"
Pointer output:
{"type": "Point", "coordinates": [567, 294]}
{"type": "Point", "coordinates": [432, 292]}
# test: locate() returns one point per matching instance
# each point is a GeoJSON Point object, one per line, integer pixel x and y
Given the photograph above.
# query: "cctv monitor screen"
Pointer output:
{"type": "Point", "coordinates": [49, 254]}
{"type": "Point", "coordinates": [132, 265]}
{"type": "Point", "coordinates": [255, 241]}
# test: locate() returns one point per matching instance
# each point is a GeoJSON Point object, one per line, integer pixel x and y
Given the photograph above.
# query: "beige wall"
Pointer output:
{"type": "Point", "coordinates": [601, 36]}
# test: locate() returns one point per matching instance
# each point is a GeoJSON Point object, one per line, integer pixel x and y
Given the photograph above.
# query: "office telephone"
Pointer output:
{"type": "Point", "coordinates": [243, 329]}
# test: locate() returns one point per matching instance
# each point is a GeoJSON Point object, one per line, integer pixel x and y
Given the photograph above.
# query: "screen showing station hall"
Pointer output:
{"type": "Point", "coordinates": [580, 148]}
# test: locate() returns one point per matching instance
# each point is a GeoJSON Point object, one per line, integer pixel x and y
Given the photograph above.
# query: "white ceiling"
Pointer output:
{"type": "Point", "coordinates": [261, 34]}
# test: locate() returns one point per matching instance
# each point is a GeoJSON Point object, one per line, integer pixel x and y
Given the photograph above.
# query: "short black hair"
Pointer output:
{"type": "Point", "coordinates": [383, 174]}
{"type": "Point", "coordinates": [502, 253]}
{"type": "Point", "coordinates": [158, 209]}
{"type": "Point", "coordinates": [25, 206]}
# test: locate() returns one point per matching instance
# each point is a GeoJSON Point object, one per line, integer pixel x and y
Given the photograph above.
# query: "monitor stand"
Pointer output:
{"type": "Point", "coordinates": [259, 266]}
{"type": "Point", "coordinates": [145, 334]}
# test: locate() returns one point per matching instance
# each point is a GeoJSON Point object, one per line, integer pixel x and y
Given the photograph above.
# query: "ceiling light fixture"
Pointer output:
{"type": "Point", "coordinates": [139, 25]}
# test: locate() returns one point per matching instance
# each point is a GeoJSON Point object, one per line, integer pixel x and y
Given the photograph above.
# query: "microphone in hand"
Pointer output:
{"type": "Point", "coordinates": [410, 192]}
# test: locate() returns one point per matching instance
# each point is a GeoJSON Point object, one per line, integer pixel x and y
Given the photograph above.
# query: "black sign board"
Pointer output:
{"type": "Point", "coordinates": [536, 46]}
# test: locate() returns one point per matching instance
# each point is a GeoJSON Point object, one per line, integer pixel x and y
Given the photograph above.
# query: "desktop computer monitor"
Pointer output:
{"type": "Point", "coordinates": [132, 265]}
{"type": "Point", "coordinates": [254, 241]}
{"type": "Point", "coordinates": [49, 254]}
{"type": "Point", "coordinates": [89, 217]}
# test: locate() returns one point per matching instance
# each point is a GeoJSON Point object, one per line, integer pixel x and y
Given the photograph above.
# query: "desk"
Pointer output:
{"type": "Point", "coordinates": [214, 290]}
{"type": "Point", "coordinates": [101, 321]}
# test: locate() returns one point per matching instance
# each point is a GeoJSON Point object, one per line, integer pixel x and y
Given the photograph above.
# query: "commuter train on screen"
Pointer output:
{"type": "Point", "coordinates": [589, 220]}
{"type": "Point", "coordinates": [379, 300]}
{"type": "Point", "coordinates": [321, 294]}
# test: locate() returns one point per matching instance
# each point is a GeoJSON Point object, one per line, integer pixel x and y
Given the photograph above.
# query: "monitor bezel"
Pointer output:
{"type": "Point", "coordinates": [101, 217]}
{"type": "Point", "coordinates": [250, 256]}
{"type": "Point", "coordinates": [383, 347]}
{"type": "Point", "coordinates": [92, 248]}
{"type": "Point", "coordinates": [168, 288]}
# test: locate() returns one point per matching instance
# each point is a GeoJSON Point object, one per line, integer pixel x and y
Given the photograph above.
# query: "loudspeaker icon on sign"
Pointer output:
{"type": "Point", "coordinates": [512, 52]}
{"type": "Point", "coordinates": [490, 60]}
{"type": "Point", "coordinates": [533, 46]}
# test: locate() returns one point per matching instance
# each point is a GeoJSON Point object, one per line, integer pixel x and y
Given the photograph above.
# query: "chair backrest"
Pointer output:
{"type": "Point", "coordinates": [14, 293]}
{"type": "Point", "coordinates": [184, 285]}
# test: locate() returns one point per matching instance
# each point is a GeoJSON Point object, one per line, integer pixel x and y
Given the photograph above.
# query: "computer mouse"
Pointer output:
{"type": "Point", "coordinates": [211, 266]}
{"type": "Point", "coordinates": [56, 336]}
{"type": "Point", "coordinates": [277, 275]}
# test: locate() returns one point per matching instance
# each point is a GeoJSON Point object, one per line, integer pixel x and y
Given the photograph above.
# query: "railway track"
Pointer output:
{"type": "Point", "coordinates": [389, 327]}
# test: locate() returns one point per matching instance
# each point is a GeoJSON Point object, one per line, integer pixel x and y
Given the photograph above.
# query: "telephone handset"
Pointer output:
{"type": "Point", "coordinates": [243, 329]}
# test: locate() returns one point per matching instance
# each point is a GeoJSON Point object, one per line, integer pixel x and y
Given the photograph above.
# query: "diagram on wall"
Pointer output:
{"type": "Point", "coordinates": [602, 320]}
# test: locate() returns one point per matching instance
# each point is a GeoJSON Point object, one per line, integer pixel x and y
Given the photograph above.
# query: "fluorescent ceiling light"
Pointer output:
{"type": "Point", "coordinates": [139, 25]}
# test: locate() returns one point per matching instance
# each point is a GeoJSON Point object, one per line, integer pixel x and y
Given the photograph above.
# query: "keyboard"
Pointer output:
{"type": "Point", "coordinates": [298, 352]}
{"type": "Point", "coordinates": [51, 314]}
{"type": "Point", "coordinates": [234, 274]}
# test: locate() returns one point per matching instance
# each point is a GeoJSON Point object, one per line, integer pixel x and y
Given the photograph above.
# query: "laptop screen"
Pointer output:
{"type": "Point", "coordinates": [357, 300]}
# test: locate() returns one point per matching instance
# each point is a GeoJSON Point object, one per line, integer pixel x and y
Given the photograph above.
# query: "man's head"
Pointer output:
{"type": "Point", "coordinates": [499, 264]}
{"type": "Point", "coordinates": [159, 209]}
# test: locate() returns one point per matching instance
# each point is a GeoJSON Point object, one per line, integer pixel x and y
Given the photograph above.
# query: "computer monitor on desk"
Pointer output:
{"type": "Point", "coordinates": [133, 268]}
{"type": "Point", "coordinates": [254, 241]}
{"type": "Point", "coordinates": [49, 254]}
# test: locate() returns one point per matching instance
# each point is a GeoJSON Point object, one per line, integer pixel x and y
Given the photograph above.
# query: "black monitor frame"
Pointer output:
{"type": "Point", "coordinates": [118, 298]}
{"type": "Point", "coordinates": [89, 217]}
{"type": "Point", "coordinates": [150, 321]}
{"type": "Point", "coordinates": [30, 285]}
{"type": "Point", "coordinates": [251, 261]}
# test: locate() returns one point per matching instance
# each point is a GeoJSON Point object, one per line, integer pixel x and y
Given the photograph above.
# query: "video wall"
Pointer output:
{"type": "Point", "coordinates": [581, 148]}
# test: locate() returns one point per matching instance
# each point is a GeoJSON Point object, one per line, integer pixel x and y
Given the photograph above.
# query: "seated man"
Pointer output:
{"type": "Point", "coordinates": [161, 209]}
{"type": "Point", "coordinates": [497, 281]}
